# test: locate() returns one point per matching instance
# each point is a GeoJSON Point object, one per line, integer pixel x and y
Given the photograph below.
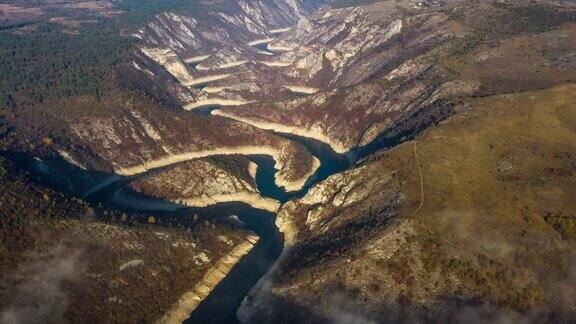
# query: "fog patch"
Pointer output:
{"type": "Point", "coordinates": [42, 295]}
{"type": "Point", "coordinates": [345, 310]}
{"type": "Point", "coordinates": [260, 303]}
{"type": "Point", "coordinates": [490, 314]}
{"type": "Point", "coordinates": [562, 293]}
{"type": "Point", "coordinates": [466, 226]}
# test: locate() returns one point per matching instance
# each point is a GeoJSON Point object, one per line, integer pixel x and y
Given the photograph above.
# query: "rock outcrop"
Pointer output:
{"type": "Point", "coordinates": [204, 182]}
{"type": "Point", "coordinates": [191, 299]}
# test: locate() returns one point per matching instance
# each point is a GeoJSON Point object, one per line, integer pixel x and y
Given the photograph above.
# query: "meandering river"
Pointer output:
{"type": "Point", "coordinates": [225, 299]}
{"type": "Point", "coordinates": [223, 302]}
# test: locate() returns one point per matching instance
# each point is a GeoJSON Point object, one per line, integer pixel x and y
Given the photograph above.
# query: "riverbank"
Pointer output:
{"type": "Point", "coordinates": [214, 102]}
{"type": "Point", "coordinates": [196, 59]}
{"type": "Point", "coordinates": [281, 179]}
{"type": "Point", "coordinates": [260, 41]}
{"type": "Point", "coordinates": [279, 30]}
{"type": "Point", "coordinates": [136, 202]}
{"type": "Point", "coordinates": [253, 199]}
{"type": "Point", "coordinates": [275, 64]}
{"type": "Point", "coordinates": [299, 184]}
{"type": "Point", "coordinates": [216, 89]}
{"type": "Point", "coordinates": [201, 67]}
{"type": "Point", "coordinates": [278, 49]}
{"type": "Point", "coordinates": [302, 89]}
{"type": "Point", "coordinates": [280, 128]}
{"type": "Point", "coordinates": [193, 82]}
{"type": "Point", "coordinates": [190, 300]}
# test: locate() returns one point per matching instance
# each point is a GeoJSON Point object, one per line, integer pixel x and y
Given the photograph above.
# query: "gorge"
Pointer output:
{"type": "Point", "coordinates": [261, 161]}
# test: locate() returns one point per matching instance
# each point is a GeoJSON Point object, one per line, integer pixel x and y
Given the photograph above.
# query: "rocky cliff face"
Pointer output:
{"type": "Point", "coordinates": [348, 76]}
{"type": "Point", "coordinates": [473, 219]}
{"type": "Point", "coordinates": [454, 226]}
{"type": "Point", "coordinates": [135, 125]}
{"type": "Point", "coordinates": [392, 68]}
{"type": "Point", "coordinates": [129, 136]}
{"type": "Point", "coordinates": [333, 48]}
{"type": "Point", "coordinates": [208, 176]}
{"type": "Point", "coordinates": [383, 59]}
{"type": "Point", "coordinates": [223, 31]}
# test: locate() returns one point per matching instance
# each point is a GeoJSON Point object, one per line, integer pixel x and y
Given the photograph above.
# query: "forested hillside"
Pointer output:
{"type": "Point", "coordinates": [48, 63]}
{"type": "Point", "coordinates": [52, 57]}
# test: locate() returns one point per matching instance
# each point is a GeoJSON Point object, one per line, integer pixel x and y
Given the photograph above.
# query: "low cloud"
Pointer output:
{"type": "Point", "coordinates": [41, 296]}
{"type": "Point", "coordinates": [345, 310]}
{"type": "Point", "coordinates": [467, 227]}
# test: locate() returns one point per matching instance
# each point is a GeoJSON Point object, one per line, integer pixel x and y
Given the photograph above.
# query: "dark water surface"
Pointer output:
{"type": "Point", "coordinates": [205, 110]}
{"type": "Point", "coordinates": [263, 47]}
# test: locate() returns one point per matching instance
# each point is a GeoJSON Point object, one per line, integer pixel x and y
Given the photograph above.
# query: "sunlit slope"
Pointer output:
{"type": "Point", "coordinates": [475, 217]}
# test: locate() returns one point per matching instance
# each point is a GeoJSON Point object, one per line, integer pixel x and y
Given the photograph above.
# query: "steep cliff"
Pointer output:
{"type": "Point", "coordinates": [388, 69]}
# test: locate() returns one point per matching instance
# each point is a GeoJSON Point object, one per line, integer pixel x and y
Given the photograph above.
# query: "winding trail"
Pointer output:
{"type": "Point", "coordinates": [421, 180]}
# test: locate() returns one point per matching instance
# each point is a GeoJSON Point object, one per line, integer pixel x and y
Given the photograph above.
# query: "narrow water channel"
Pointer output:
{"type": "Point", "coordinates": [222, 303]}
{"type": "Point", "coordinates": [206, 110]}
{"type": "Point", "coordinates": [264, 48]}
